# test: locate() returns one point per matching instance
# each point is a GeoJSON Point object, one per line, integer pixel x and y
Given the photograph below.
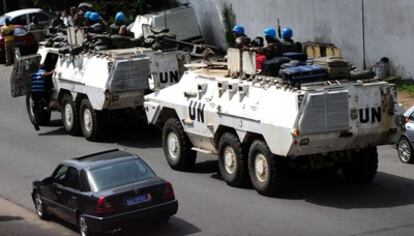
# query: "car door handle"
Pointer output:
{"type": "Point", "coordinates": [58, 192]}
{"type": "Point", "coordinates": [73, 197]}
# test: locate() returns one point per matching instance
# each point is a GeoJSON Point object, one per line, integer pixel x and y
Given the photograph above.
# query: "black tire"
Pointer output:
{"type": "Point", "coordinates": [405, 150]}
{"type": "Point", "coordinates": [272, 178]}
{"type": "Point", "coordinates": [83, 227]}
{"type": "Point", "coordinates": [233, 161]}
{"type": "Point", "coordinates": [44, 117]}
{"type": "Point", "coordinates": [362, 166]}
{"type": "Point", "coordinates": [184, 158]}
{"type": "Point", "coordinates": [94, 129]}
{"type": "Point", "coordinates": [40, 209]}
{"type": "Point", "coordinates": [70, 115]}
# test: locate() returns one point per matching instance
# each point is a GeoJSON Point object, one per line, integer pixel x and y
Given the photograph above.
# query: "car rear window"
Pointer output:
{"type": "Point", "coordinates": [19, 32]}
{"type": "Point", "coordinates": [119, 173]}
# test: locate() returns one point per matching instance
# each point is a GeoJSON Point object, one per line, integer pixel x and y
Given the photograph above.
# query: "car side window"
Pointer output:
{"type": "Point", "coordinates": [60, 174]}
{"type": "Point", "coordinates": [20, 20]}
{"type": "Point", "coordinates": [411, 118]}
{"type": "Point", "coordinates": [72, 179]}
{"type": "Point", "coordinates": [39, 16]}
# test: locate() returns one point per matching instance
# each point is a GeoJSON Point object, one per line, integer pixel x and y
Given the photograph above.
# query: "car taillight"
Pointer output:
{"type": "Point", "coordinates": [168, 192]}
{"type": "Point", "coordinates": [103, 206]}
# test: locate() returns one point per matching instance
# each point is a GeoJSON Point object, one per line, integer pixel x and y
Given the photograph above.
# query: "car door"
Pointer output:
{"type": "Point", "coordinates": [69, 194]}
{"type": "Point", "coordinates": [410, 127]}
{"type": "Point", "coordinates": [48, 189]}
{"type": "Point", "coordinates": [20, 78]}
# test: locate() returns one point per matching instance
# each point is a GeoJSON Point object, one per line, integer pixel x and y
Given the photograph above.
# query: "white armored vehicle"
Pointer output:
{"type": "Point", "coordinates": [261, 126]}
{"type": "Point", "coordinates": [90, 87]}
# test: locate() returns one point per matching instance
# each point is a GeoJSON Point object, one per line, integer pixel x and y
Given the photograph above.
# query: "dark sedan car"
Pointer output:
{"type": "Point", "coordinates": [104, 192]}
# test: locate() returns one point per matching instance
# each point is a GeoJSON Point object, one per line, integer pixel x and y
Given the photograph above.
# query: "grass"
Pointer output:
{"type": "Point", "coordinates": [406, 86]}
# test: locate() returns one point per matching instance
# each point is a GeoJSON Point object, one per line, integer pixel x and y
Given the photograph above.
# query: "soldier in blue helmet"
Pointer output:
{"type": "Point", "coordinates": [241, 40]}
{"type": "Point", "coordinates": [119, 26]}
{"type": "Point", "coordinates": [96, 25]}
{"type": "Point", "coordinates": [289, 45]}
{"type": "Point", "coordinates": [273, 46]}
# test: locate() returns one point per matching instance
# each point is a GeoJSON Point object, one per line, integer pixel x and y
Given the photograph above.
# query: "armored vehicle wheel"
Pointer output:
{"type": "Point", "coordinates": [233, 161]}
{"type": "Point", "coordinates": [91, 121]}
{"type": "Point", "coordinates": [70, 115]}
{"type": "Point", "coordinates": [268, 173]}
{"type": "Point", "coordinates": [405, 151]}
{"type": "Point", "coordinates": [177, 146]}
{"type": "Point", "coordinates": [44, 117]}
{"type": "Point", "coordinates": [362, 167]}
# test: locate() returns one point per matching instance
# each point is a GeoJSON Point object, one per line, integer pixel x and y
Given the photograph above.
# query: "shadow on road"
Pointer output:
{"type": "Point", "coordinates": [175, 227]}
{"type": "Point", "coordinates": [333, 191]}
{"type": "Point", "coordinates": [10, 218]}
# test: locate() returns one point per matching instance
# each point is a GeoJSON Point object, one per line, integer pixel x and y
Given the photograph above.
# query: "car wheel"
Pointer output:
{"type": "Point", "coordinates": [40, 208]}
{"type": "Point", "coordinates": [405, 151]}
{"type": "Point", "coordinates": [362, 166]}
{"type": "Point", "coordinates": [83, 227]}
{"type": "Point", "coordinates": [233, 161]}
{"type": "Point", "coordinates": [177, 146]}
{"type": "Point", "coordinates": [91, 121]}
{"type": "Point", "coordinates": [45, 116]}
{"type": "Point", "coordinates": [70, 115]}
{"type": "Point", "coordinates": [268, 172]}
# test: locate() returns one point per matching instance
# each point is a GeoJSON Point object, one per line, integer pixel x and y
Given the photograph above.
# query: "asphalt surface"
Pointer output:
{"type": "Point", "coordinates": [318, 204]}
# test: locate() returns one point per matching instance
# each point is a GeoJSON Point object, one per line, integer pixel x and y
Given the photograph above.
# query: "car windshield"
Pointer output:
{"type": "Point", "coordinates": [3, 19]}
{"type": "Point", "coordinates": [120, 173]}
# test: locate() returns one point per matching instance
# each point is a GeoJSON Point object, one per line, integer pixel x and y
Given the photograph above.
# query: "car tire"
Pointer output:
{"type": "Point", "coordinates": [91, 121]}
{"type": "Point", "coordinates": [233, 161]}
{"type": "Point", "coordinates": [269, 173]}
{"type": "Point", "coordinates": [45, 116]}
{"type": "Point", "coordinates": [41, 211]}
{"type": "Point", "coordinates": [405, 151]}
{"type": "Point", "coordinates": [83, 227]}
{"type": "Point", "coordinates": [362, 166]}
{"type": "Point", "coordinates": [177, 146]}
{"type": "Point", "coordinates": [70, 115]}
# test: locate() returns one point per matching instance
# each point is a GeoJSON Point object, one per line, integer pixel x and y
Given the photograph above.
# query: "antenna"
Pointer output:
{"type": "Point", "coordinates": [279, 29]}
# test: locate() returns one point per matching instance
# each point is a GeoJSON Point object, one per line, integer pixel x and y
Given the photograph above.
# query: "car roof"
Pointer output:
{"type": "Point", "coordinates": [20, 12]}
{"type": "Point", "coordinates": [98, 159]}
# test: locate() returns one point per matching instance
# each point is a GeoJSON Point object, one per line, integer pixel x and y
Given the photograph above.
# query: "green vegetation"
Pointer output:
{"type": "Point", "coordinates": [406, 86]}
{"type": "Point", "coordinates": [229, 20]}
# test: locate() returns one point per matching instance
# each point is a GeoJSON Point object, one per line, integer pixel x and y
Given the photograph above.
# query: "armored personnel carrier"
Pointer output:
{"type": "Point", "coordinates": [261, 126]}
{"type": "Point", "coordinates": [91, 86]}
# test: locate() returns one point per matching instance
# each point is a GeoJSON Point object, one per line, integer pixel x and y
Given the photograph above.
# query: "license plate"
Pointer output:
{"type": "Point", "coordinates": [138, 199]}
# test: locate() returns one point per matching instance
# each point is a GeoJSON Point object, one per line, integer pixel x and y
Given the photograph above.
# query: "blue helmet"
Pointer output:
{"type": "Point", "coordinates": [87, 14]}
{"type": "Point", "coordinates": [270, 32]}
{"type": "Point", "coordinates": [287, 33]}
{"type": "Point", "coordinates": [238, 29]}
{"type": "Point", "coordinates": [94, 17]}
{"type": "Point", "coordinates": [119, 17]}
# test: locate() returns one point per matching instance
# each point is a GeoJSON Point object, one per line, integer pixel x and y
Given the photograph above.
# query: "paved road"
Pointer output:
{"type": "Point", "coordinates": [318, 205]}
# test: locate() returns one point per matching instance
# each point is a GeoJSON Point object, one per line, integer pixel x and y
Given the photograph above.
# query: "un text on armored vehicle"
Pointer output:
{"type": "Point", "coordinates": [89, 87]}
{"type": "Point", "coordinates": [261, 126]}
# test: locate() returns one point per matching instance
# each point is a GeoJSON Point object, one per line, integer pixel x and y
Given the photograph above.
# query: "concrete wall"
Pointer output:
{"type": "Point", "coordinates": [389, 25]}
